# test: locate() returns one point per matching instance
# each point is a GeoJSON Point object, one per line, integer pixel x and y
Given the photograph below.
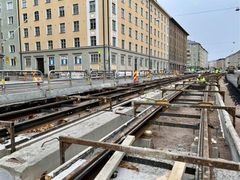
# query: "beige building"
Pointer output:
{"type": "Point", "coordinates": [233, 60]}
{"type": "Point", "coordinates": [219, 63]}
{"type": "Point", "coordinates": [94, 34]}
{"type": "Point", "coordinates": [177, 47]}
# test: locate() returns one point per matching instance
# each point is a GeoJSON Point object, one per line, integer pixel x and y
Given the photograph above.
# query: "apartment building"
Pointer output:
{"type": "Point", "coordinates": [177, 46]}
{"type": "Point", "coordinates": [233, 60]}
{"type": "Point", "coordinates": [10, 44]}
{"type": "Point", "coordinates": [93, 34]}
{"type": "Point", "coordinates": [197, 56]}
{"type": "Point", "coordinates": [219, 63]}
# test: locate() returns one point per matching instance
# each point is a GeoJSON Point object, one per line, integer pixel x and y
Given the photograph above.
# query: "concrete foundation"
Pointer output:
{"type": "Point", "coordinates": [42, 156]}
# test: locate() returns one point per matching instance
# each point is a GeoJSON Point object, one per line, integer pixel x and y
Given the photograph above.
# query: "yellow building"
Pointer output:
{"type": "Point", "coordinates": [94, 34]}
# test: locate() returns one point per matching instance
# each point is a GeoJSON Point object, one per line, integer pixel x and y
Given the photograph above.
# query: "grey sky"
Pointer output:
{"type": "Point", "coordinates": [217, 31]}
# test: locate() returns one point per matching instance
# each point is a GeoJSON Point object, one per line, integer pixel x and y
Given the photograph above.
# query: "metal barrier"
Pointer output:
{"type": "Point", "coordinates": [104, 75]}
{"type": "Point", "coordinates": [16, 77]}
{"type": "Point", "coordinates": [67, 75]}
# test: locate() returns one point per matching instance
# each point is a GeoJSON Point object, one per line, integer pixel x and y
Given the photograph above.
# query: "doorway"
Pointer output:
{"type": "Point", "coordinates": [40, 64]}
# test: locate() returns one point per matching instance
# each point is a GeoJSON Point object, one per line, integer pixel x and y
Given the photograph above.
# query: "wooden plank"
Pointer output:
{"type": "Point", "coordinates": [114, 161]}
{"type": "Point", "coordinates": [177, 171]}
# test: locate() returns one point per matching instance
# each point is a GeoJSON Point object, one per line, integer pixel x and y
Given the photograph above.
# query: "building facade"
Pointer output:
{"type": "Point", "coordinates": [219, 63]}
{"type": "Point", "coordinates": [197, 56]}
{"type": "Point", "coordinates": [233, 60]}
{"type": "Point", "coordinates": [10, 44]}
{"type": "Point", "coordinates": [177, 47]}
{"type": "Point", "coordinates": [1, 54]}
{"type": "Point", "coordinates": [93, 34]}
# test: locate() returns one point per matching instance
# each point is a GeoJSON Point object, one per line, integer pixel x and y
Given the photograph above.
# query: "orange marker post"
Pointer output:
{"type": "Point", "coordinates": [135, 76]}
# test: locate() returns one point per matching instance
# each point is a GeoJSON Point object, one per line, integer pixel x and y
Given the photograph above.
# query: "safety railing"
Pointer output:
{"type": "Point", "coordinates": [17, 77]}
{"type": "Point", "coordinates": [104, 75]}
{"type": "Point", "coordinates": [68, 76]}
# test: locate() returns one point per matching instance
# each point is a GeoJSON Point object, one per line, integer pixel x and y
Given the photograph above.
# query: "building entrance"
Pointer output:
{"type": "Point", "coordinates": [40, 64]}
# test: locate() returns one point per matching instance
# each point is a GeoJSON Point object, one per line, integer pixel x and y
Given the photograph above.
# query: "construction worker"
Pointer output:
{"type": "Point", "coordinates": [201, 79]}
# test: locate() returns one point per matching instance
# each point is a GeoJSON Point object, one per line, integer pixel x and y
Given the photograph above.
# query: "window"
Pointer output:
{"type": "Point", "coordinates": [35, 2]}
{"type": "Point", "coordinates": [49, 29]}
{"type": "Point", "coordinates": [76, 42]}
{"type": "Point", "coordinates": [136, 21]}
{"type": "Point", "coordinates": [78, 59]}
{"type": "Point", "coordinates": [114, 43]}
{"type": "Point", "coordinates": [94, 58]}
{"type": "Point", "coordinates": [136, 35]}
{"type": "Point", "coordinates": [64, 60]}
{"type": "Point", "coordinates": [63, 43]}
{"type": "Point", "coordinates": [9, 5]}
{"type": "Point", "coordinates": [136, 47]}
{"type": "Point", "coordinates": [114, 59]}
{"type": "Point", "coordinates": [37, 31]}
{"type": "Point", "coordinates": [12, 49]}
{"type": "Point", "coordinates": [24, 3]}
{"type": "Point", "coordinates": [92, 24]}
{"type": "Point", "coordinates": [130, 17]}
{"type": "Point", "coordinates": [130, 32]}
{"type": "Point", "coordinates": [11, 34]}
{"type": "Point", "coordinates": [50, 44]}
{"type": "Point", "coordinates": [38, 46]}
{"type": "Point", "coordinates": [47, 1]}
{"type": "Point", "coordinates": [10, 20]}
{"type": "Point", "coordinates": [28, 62]}
{"type": "Point", "coordinates": [92, 6]}
{"type": "Point", "coordinates": [62, 28]}
{"type": "Point", "coordinates": [49, 13]}
{"type": "Point", "coordinates": [93, 40]}
{"type": "Point", "coordinates": [51, 61]}
{"type": "Point", "coordinates": [26, 46]}
{"type": "Point", "coordinates": [122, 13]}
{"type": "Point", "coordinates": [36, 15]}
{"type": "Point", "coordinates": [129, 61]}
{"type": "Point", "coordinates": [136, 7]}
{"type": "Point", "coordinates": [130, 46]}
{"type": "Point", "coordinates": [123, 29]}
{"type": "Point", "coordinates": [130, 3]}
{"type": "Point", "coordinates": [122, 60]}
{"type": "Point", "coordinates": [123, 44]}
{"type": "Point", "coordinates": [113, 8]}
{"type": "Point", "coordinates": [13, 61]}
{"type": "Point", "coordinates": [76, 26]}
{"type": "Point", "coordinates": [25, 17]}
{"type": "Point", "coordinates": [61, 11]}
{"type": "Point", "coordinates": [114, 25]}
{"type": "Point", "coordinates": [75, 9]}
{"type": "Point", "coordinates": [25, 32]}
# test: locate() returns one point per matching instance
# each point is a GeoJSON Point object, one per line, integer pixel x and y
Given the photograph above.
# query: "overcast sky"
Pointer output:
{"type": "Point", "coordinates": [218, 30]}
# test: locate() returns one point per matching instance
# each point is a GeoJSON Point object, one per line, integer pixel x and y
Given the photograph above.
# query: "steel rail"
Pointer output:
{"type": "Point", "coordinates": [36, 108]}
{"type": "Point", "coordinates": [127, 129]}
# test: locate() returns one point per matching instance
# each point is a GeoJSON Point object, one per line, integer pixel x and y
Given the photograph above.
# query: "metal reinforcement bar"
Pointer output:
{"type": "Point", "coordinates": [203, 105]}
{"type": "Point", "coordinates": [150, 153]}
{"type": "Point", "coordinates": [114, 137]}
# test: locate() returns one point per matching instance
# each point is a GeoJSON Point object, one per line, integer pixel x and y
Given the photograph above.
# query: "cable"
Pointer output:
{"type": "Point", "coordinates": [208, 11]}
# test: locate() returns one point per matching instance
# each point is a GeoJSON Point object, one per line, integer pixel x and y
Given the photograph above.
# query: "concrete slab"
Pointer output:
{"type": "Point", "coordinates": [33, 160]}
